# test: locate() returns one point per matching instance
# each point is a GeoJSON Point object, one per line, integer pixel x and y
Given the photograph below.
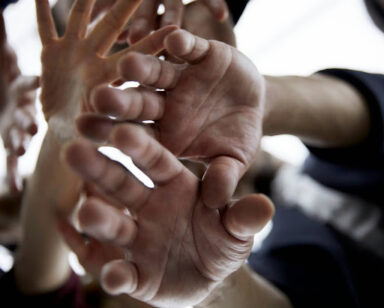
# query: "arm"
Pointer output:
{"type": "Point", "coordinates": [320, 109]}
{"type": "Point", "coordinates": [42, 262]}
{"type": "Point", "coordinates": [244, 289]}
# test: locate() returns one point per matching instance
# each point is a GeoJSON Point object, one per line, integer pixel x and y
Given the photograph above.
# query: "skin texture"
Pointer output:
{"type": "Point", "coordinates": [78, 61]}
{"type": "Point", "coordinates": [169, 224]}
{"type": "Point", "coordinates": [146, 18]}
{"type": "Point", "coordinates": [207, 117]}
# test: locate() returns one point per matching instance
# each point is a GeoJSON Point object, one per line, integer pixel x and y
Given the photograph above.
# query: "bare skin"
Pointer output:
{"type": "Point", "coordinates": [169, 224]}
{"type": "Point", "coordinates": [208, 117]}
{"type": "Point", "coordinates": [17, 109]}
{"type": "Point", "coordinates": [146, 18]}
{"type": "Point", "coordinates": [78, 61]}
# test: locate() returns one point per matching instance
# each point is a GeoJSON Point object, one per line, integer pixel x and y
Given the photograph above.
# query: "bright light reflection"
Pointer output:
{"type": "Point", "coordinates": [126, 161]}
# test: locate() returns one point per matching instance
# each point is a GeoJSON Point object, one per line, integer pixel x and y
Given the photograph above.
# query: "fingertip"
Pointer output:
{"type": "Point", "coordinates": [179, 43]}
{"type": "Point", "coordinates": [248, 216]}
{"type": "Point", "coordinates": [94, 127]}
{"type": "Point", "coordinates": [119, 277]}
{"type": "Point", "coordinates": [133, 67]}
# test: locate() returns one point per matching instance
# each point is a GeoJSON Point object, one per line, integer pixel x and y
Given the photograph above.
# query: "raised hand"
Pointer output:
{"type": "Point", "coordinates": [78, 61]}
{"type": "Point", "coordinates": [177, 249]}
{"type": "Point", "coordinates": [146, 18]}
{"type": "Point", "coordinates": [18, 123]}
{"type": "Point", "coordinates": [211, 109]}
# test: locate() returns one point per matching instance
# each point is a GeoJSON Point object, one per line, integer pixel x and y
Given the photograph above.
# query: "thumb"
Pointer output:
{"type": "Point", "coordinates": [220, 181]}
{"type": "Point", "coordinates": [248, 216]}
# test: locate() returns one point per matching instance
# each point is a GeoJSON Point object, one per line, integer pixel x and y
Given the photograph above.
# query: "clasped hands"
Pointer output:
{"type": "Point", "coordinates": [179, 240]}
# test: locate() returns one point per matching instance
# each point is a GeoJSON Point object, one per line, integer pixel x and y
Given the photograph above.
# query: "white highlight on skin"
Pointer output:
{"type": "Point", "coordinates": [116, 155]}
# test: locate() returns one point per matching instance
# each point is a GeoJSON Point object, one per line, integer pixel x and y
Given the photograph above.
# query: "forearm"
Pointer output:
{"type": "Point", "coordinates": [42, 262]}
{"type": "Point", "coordinates": [244, 289]}
{"type": "Point", "coordinates": [321, 110]}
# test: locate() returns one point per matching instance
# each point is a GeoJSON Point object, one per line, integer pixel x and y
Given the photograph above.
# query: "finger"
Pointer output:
{"type": "Point", "coordinates": [17, 142]}
{"type": "Point", "coordinates": [119, 277]}
{"type": "Point", "coordinates": [173, 12]}
{"type": "Point", "coordinates": [79, 18]}
{"type": "Point", "coordinates": [248, 216]}
{"type": "Point", "coordinates": [13, 178]}
{"type": "Point", "coordinates": [27, 83]}
{"type": "Point", "coordinates": [151, 44]}
{"type": "Point", "coordinates": [143, 21]}
{"type": "Point", "coordinates": [149, 71]}
{"type": "Point", "coordinates": [218, 9]}
{"type": "Point", "coordinates": [98, 128]}
{"type": "Point", "coordinates": [105, 33]}
{"type": "Point", "coordinates": [131, 104]}
{"type": "Point", "coordinates": [46, 25]}
{"type": "Point", "coordinates": [25, 120]}
{"type": "Point", "coordinates": [147, 153]}
{"type": "Point", "coordinates": [92, 254]}
{"type": "Point", "coordinates": [73, 238]}
{"type": "Point", "coordinates": [111, 178]}
{"type": "Point", "coordinates": [106, 223]}
{"type": "Point", "coordinates": [186, 46]}
{"type": "Point", "coordinates": [220, 181]}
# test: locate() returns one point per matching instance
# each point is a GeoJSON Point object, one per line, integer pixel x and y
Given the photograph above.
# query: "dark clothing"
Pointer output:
{"type": "Point", "coordinates": [70, 295]}
{"type": "Point", "coordinates": [357, 170]}
{"type": "Point", "coordinates": [5, 3]}
{"type": "Point", "coordinates": [236, 7]}
{"type": "Point", "coordinates": [311, 262]}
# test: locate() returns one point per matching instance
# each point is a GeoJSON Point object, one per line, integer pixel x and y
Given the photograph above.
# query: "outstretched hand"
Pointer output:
{"type": "Point", "coordinates": [146, 18]}
{"type": "Point", "coordinates": [78, 61]}
{"type": "Point", "coordinates": [177, 249]}
{"type": "Point", "coordinates": [18, 123]}
{"type": "Point", "coordinates": [211, 108]}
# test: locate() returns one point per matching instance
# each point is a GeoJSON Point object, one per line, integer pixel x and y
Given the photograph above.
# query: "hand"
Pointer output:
{"type": "Point", "coordinates": [146, 18]}
{"type": "Point", "coordinates": [211, 109]}
{"type": "Point", "coordinates": [170, 234]}
{"type": "Point", "coordinates": [18, 123]}
{"type": "Point", "coordinates": [198, 21]}
{"type": "Point", "coordinates": [78, 61]}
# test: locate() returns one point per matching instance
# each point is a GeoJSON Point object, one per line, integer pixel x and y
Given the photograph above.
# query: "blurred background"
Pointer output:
{"type": "Point", "coordinates": [295, 37]}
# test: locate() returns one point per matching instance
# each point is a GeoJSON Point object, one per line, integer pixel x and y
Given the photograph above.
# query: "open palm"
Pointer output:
{"type": "Point", "coordinates": [177, 249]}
{"type": "Point", "coordinates": [78, 61]}
{"type": "Point", "coordinates": [211, 108]}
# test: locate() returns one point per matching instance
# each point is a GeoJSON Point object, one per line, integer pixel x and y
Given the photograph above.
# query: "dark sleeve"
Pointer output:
{"type": "Point", "coordinates": [358, 169]}
{"type": "Point", "coordinates": [315, 266]}
{"type": "Point", "coordinates": [69, 295]}
{"type": "Point", "coordinates": [236, 7]}
{"type": "Point", "coordinates": [5, 3]}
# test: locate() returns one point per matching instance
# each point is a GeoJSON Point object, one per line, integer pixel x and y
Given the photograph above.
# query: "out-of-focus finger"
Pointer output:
{"type": "Point", "coordinates": [106, 223]}
{"type": "Point", "coordinates": [173, 13]}
{"type": "Point", "coordinates": [143, 21]}
{"type": "Point", "coordinates": [218, 9]}
{"type": "Point", "coordinates": [186, 46]}
{"type": "Point", "coordinates": [25, 121]}
{"type": "Point", "coordinates": [111, 178]}
{"type": "Point", "coordinates": [13, 178]}
{"type": "Point", "coordinates": [151, 44]}
{"type": "Point", "coordinates": [131, 104]}
{"type": "Point", "coordinates": [149, 71]}
{"type": "Point", "coordinates": [147, 153]}
{"type": "Point", "coordinates": [107, 30]}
